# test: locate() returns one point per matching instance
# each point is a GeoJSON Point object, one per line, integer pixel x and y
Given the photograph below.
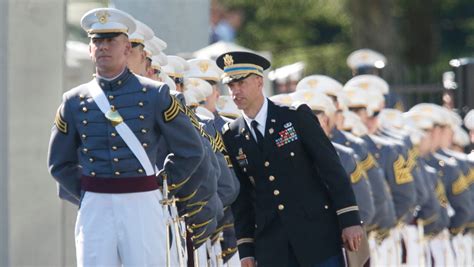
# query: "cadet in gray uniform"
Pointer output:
{"type": "Point", "coordinates": [200, 205]}
{"type": "Point", "coordinates": [359, 182]}
{"type": "Point", "coordinates": [91, 159]}
{"type": "Point", "coordinates": [375, 174]}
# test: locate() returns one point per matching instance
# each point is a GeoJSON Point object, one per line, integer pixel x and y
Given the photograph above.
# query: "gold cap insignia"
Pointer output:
{"type": "Point", "coordinates": [312, 83]}
{"type": "Point", "coordinates": [364, 55]}
{"type": "Point", "coordinates": [364, 85]}
{"type": "Point", "coordinates": [228, 60]}
{"type": "Point", "coordinates": [102, 16]}
{"type": "Point", "coordinates": [308, 96]}
{"type": "Point", "coordinates": [194, 82]}
{"type": "Point", "coordinates": [203, 66]}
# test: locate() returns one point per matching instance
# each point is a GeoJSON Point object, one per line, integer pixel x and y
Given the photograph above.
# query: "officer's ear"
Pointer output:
{"type": "Point", "coordinates": [259, 80]}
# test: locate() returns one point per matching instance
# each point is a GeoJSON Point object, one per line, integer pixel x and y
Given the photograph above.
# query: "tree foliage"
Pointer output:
{"type": "Point", "coordinates": [418, 37]}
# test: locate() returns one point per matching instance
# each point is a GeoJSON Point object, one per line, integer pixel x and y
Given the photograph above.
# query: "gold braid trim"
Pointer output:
{"type": "Point", "coordinates": [401, 172]}
{"type": "Point", "coordinates": [61, 124]}
{"type": "Point", "coordinates": [183, 199]}
{"type": "Point", "coordinates": [430, 220]}
{"type": "Point", "coordinates": [357, 173]}
{"type": "Point", "coordinates": [173, 110]}
{"type": "Point", "coordinates": [199, 225]}
{"type": "Point", "coordinates": [441, 194]}
{"type": "Point", "coordinates": [194, 120]}
{"type": "Point", "coordinates": [220, 143]}
{"type": "Point", "coordinates": [460, 185]}
{"type": "Point", "coordinates": [347, 209]}
{"type": "Point", "coordinates": [176, 186]}
{"type": "Point", "coordinates": [245, 240]}
{"type": "Point", "coordinates": [194, 212]}
{"type": "Point", "coordinates": [369, 162]}
{"type": "Point", "coordinates": [470, 176]}
{"type": "Point", "coordinates": [229, 251]}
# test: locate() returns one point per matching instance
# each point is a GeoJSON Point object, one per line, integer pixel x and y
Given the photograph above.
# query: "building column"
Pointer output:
{"type": "Point", "coordinates": [35, 32]}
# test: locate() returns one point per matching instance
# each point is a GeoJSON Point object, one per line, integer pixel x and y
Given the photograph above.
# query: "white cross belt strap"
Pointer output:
{"type": "Point", "coordinates": [122, 128]}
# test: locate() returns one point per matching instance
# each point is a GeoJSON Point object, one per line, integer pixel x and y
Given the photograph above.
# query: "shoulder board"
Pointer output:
{"type": "Point", "coordinates": [226, 127]}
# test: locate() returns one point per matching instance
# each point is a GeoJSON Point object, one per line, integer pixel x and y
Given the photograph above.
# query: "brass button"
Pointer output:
{"type": "Point", "coordinates": [114, 148]}
{"type": "Point", "coordinates": [144, 89]}
{"type": "Point", "coordinates": [267, 164]}
{"type": "Point", "coordinates": [141, 117]}
{"type": "Point", "coordinates": [85, 150]}
{"type": "Point", "coordinates": [84, 109]}
{"type": "Point", "coordinates": [145, 145]}
{"type": "Point", "coordinates": [140, 104]}
{"type": "Point", "coordinates": [102, 84]}
{"type": "Point", "coordinates": [144, 131]}
{"type": "Point", "coordinates": [92, 173]}
{"type": "Point", "coordinates": [81, 97]}
{"type": "Point", "coordinates": [140, 170]}
{"type": "Point", "coordinates": [116, 160]}
{"type": "Point", "coordinates": [83, 136]}
{"type": "Point", "coordinates": [119, 82]}
{"type": "Point", "coordinates": [112, 107]}
{"type": "Point", "coordinates": [113, 134]}
{"type": "Point", "coordinates": [91, 160]}
{"type": "Point", "coordinates": [276, 192]}
{"type": "Point", "coordinates": [326, 207]}
{"type": "Point", "coordinates": [271, 178]}
{"type": "Point", "coordinates": [244, 169]}
{"type": "Point", "coordinates": [117, 173]}
{"type": "Point", "coordinates": [281, 207]}
{"type": "Point", "coordinates": [84, 122]}
{"type": "Point", "coordinates": [292, 154]}
{"type": "Point", "coordinates": [111, 97]}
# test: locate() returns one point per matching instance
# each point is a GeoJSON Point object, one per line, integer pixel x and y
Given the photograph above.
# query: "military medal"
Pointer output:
{"type": "Point", "coordinates": [286, 136]}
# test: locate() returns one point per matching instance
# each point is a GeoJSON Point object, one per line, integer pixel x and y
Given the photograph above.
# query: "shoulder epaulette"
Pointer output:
{"type": "Point", "coordinates": [225, 128]}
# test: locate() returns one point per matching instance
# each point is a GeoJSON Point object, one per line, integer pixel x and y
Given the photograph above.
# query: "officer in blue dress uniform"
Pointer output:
{"type": "Point", "coordinates": [290, 175]}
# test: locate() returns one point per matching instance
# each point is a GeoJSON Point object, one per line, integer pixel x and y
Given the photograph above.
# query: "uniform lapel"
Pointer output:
{"type": "Point", "coordinates": [271, 129]}
{"type": "Point", "coordinates": [247, 142]}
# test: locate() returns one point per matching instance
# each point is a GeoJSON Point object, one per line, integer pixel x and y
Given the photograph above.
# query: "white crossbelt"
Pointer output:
{"type": "Point", "coordinates": [122, 128]}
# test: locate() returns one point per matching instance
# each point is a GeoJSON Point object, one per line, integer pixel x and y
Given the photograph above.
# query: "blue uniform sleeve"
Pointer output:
{"type": "Point", "coordinates": [186, 149]}
{"type": "Point", "coordinates": [63, 159]}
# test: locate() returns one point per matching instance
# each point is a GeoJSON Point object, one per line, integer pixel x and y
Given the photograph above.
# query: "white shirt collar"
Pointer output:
{"type": "Point", "coordinates": [261, 118]}
{"type": "Point", "coordinates": [110, 79]}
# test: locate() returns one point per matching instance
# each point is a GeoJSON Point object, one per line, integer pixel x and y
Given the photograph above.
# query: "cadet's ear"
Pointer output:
{"type": "Point", "coordinates": [128, 45]}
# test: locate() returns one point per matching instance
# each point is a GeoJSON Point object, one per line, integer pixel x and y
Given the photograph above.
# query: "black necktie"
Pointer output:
{"type": "Point", "coordinates": [258, 134]}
